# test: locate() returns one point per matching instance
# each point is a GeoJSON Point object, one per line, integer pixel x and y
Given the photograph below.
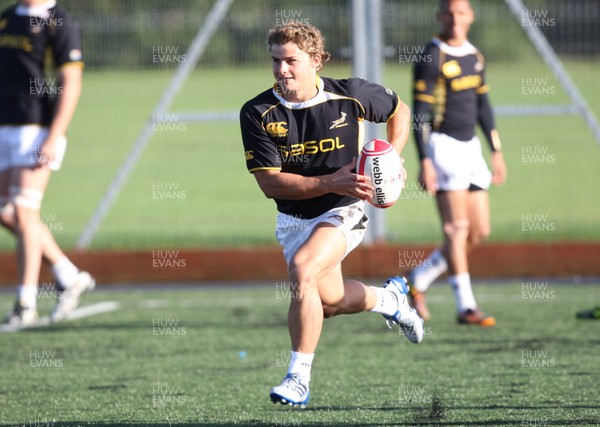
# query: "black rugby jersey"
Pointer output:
{"type": "Point", "coordinates": [451, 79]}
{"type": "Point", "coordinates": [312, 138]}
{"type": "Point", "coordinates": [27, 35]}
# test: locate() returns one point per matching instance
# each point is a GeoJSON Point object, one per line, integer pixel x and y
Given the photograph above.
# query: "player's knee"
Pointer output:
{"type": "Point", "coordinates": [303, 274]}
{"type": "Point", "coordinates": [457, 230]}
{"type": "Point", "coordinates": [27, 203]}
{"type": "Point", "coordinates": [303, 270]}
{"type": "Point", "coordinates": [476, 236]}
{"type": "Point", "coordinates": [26, 198]}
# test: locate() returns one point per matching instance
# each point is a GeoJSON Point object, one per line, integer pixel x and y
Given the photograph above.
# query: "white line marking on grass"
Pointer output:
{"type": "Point", "coordinates": [449, 298]}
{"type": "Point", "coordinates": [262, 301]}
{"type": "Point", "coordinates": [42, 321]}
{"type": "Point", "coordinates": [209, 302]}
{"type": "Point", "coordinates": [93, 309]}
{"type": "Point", "coordinates": [79, 313]}
{"type": "Point", "coordinates": [153, 303]}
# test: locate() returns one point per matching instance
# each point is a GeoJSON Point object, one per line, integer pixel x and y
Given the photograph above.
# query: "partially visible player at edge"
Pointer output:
{"type": "Point", "coordinates": [450, 97]}
{"type": "Point", "coordinates": [302, 138]}
{"type": "Point", "coordinates": [33, 122]}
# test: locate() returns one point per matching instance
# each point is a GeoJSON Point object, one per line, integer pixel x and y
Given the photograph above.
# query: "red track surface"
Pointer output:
{"type": "Point", "coordinates": [487, 261]}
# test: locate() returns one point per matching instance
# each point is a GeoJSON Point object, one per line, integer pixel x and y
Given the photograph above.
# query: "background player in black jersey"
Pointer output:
{"type": "Point", "coordinates": [450, 98]}
{"type": "Point", "coordinates": [35, 111]}
{"type": "Point", "coordinates": [302, 138]}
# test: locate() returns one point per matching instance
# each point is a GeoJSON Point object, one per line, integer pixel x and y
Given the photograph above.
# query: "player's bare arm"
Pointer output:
{"type": "Point", "coordinates": [282, 185]}
{"type": "Point", "coordinates": [486, 122]}
{"type": "Point", "coordinates": [70, 75]}
{"type": "Point", "coordinates": [425, 78]}
{"type": "Point", "coordinates": [427, 174]}
{"type": "Point", "coordinates": [398, 127]}
{"type": "Point", "coordinates": [498, 168]}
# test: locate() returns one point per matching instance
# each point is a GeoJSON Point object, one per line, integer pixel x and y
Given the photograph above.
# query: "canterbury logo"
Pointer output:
{"type": "Point", "coordinates": [277, 129]}
{"type": "Point", "coordinates": [338, 217]}
{"type": "Point", "coordinates": [249, 154]}
{"type": "Point", "coordinates": [451, 69]}
{"type": "Point", "coordinates": [339, 122]}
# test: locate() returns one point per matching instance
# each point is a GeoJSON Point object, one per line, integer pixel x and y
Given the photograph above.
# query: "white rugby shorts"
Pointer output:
{"type": "Point", "coordinates": [20, 146]}
{"type": "Point", "coordinates": [458, 164]}
{"type": "Point", "coordinates": [292, 232]}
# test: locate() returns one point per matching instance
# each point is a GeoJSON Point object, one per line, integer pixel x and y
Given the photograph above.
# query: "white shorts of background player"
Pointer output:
{"type": "Point", "coordinates": [458, 164]}
{"type": "Point", "coordinates": [21, 146]}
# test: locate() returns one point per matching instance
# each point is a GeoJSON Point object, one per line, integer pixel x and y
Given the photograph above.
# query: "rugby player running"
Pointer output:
{"type": "Point", "coordinates": [301, 139]}
{"type": "Point", "coordinates": [450, 99]}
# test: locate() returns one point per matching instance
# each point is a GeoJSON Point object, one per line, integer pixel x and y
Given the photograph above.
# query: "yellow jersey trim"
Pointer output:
{"type": "Point", "coordinates": [482, 89]}
{"type": "Point", "coordinates": [269, 109]}
{"type": "Point", "coordinates": [263, 168]}
{"type": "Point", "coordinates": [425, 98]}
{"type": "Point", "coordinates": [71, 64]}
{"type": "Point", "coordinates": [395, 109]}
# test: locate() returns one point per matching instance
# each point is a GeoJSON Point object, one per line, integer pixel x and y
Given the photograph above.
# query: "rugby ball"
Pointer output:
{"type": "Point", "coordinates": [381, 162]}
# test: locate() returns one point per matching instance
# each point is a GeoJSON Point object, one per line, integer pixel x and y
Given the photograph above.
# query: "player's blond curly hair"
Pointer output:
{"type": "Point", "coordinates": [307, 37]}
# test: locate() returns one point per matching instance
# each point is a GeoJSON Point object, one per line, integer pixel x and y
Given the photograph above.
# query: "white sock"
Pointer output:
{"type": "Point", "coordinates": [463, 293]}
{"type": "Point", "coordinates": [27, 296]}
{"type": "Point", "coordinates": [429, 270]}
{"type": "Point", "coordinates": [387, 303]}
{"type": "Point", "coordinates": [300, 364]}
{"type": "Point", "coordinates": [65, 272]}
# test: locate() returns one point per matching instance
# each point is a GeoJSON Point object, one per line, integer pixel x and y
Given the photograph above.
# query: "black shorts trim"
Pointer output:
{"type": "Point", "coordinates": [471, 188]}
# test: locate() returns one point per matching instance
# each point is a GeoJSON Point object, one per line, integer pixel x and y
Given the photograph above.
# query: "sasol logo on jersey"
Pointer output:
{"type": "Point", "coordinates": [13, 41]}
{"type": "Point", "coordinates": [311, 147]}
{"type": "Point", "coordinates": [277, 129]}
{"type": "Point", "coordinates": [284, 158]}
{"type": "Point", "coordinates": [466, 82]}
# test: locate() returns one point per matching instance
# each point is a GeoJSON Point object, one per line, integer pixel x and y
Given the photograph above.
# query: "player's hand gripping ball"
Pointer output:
{"type": "Point", "coordinates": [381, 162]}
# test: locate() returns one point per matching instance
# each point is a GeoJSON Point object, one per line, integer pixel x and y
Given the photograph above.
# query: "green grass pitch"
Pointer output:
{"type": "Point", "coordinates": [208, 188]}
{"type": "Point", "coordinates": [192, 357]}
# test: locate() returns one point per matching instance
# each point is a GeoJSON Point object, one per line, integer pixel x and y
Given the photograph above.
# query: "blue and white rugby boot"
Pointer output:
{"type": "Point", "coordinates": [292, 391]}
{"type": "Point", "coordinates": [405, 316]}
